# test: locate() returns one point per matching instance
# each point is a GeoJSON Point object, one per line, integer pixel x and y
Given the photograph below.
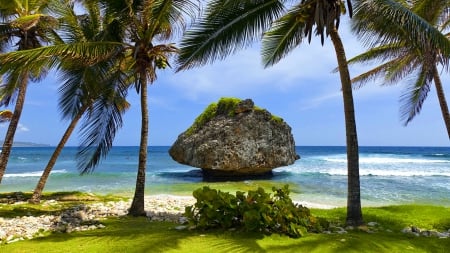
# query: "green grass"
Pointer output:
{"type": "Point", "coordinates": [128, 234]}
{"type": "Point", "coordinates": [65, 200]}
{"type": "Point", "coordinates": [397, 217]}
{"type": "Point", "coordinates": [140, 235]}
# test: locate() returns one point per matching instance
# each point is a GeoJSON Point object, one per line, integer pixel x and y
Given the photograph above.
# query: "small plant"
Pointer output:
{"type": "Point", "coordinates": [252, 211]}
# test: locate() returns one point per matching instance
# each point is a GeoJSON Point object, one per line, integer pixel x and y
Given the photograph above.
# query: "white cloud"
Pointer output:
{"type": "Point", "coordinates": [22, 128]}
{"type": "Point", "coordinates": [243, 72]}
{"type": "Point", "coordinates": [319, 100]}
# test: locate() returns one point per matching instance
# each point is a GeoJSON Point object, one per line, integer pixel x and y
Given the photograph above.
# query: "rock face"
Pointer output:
{"type": "Point", "coordinates": [235, 138]}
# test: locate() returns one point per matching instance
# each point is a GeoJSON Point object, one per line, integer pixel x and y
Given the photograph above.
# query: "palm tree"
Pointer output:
{"type": "Point", "coordinates": [96, 90]}
{"type": "Point", "coordinates": [149, 26]}
{"type": "Point", "coordinates": [145, 28]}
{"type": "Point", "coordinates": [228, 25]}
{"type": "Point", "coordinates": [23, 26]}
{"type": "Point", "coordinates": [401, 56]}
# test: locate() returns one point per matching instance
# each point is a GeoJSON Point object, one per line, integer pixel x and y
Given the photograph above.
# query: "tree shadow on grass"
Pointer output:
{"type": "Point", "coordinates": [130, 234]}
{"type": "Point", "coordinates": [363, 242]}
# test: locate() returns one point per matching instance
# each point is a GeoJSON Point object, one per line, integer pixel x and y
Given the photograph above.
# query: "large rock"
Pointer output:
{"type": "Point", "coordinates": [235, 138]}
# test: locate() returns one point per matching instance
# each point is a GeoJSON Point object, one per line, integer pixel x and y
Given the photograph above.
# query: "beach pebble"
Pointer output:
{"type": "Point", "coordinates": [372, 224]}
{"type": "Point", "coordinates": [87, 217]}
{"type": "Point", "coordinates": [413, 230]}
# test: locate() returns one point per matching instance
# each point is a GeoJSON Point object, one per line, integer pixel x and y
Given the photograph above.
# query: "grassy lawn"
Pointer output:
{"type": "Point", "coordinates": [128, 234]}
{"type": "Point", "coordinates": [140, 235]}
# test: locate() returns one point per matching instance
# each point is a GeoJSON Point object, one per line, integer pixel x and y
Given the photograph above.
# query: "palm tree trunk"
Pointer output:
{"type": "Point", "coordinates": [36, 198]}
{"type": "Point", "coordinates": [354, 213]}
{"type": "Point", "coordinates": [137, 206]}
{"type": "Point", "coordinates": [9, 138]}
{"type": "Point", "coordinates": [442, 100]}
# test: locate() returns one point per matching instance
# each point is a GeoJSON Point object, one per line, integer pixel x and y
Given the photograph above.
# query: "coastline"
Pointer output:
{"type": "Point", "coordinates": [180, 200]}
{"type": "Point", "coordinates": [88, 214]}
{"type": "Point", "coordinates": [389, 175]}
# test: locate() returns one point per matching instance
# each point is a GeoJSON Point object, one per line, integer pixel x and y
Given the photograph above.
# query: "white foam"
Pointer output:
{"type": "Point", "coordinates": [342, 171]}
{"type": "Point", "coordinates": [386, 160]}
{"type": "Point", "coordinates": [32, 174]}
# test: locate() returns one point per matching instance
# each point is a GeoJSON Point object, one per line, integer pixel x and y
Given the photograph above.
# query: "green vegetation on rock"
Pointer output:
{"type": "Point", "coordinates": [225, 106]}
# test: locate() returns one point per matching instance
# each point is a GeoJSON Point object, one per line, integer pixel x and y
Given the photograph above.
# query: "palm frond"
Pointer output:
{"type": "Point", "coordinates": [370, 75]}
{"type": "Point", "coordinates": [393, 71]}
{"type": "Point", "coordinates": [75, 90]}
{"type": "Point", "coordinates": [414, 96]}
{"type": "Point", "coordinates": [226, 27]}
{"type": "Point", "coordinates": [50, 56]}
{"type": "Point", "coordinates": [371, 22]}
{"type": "Point", "coordinates": [167, 18]}
{"type": "Point", "coordinates": [431, 10]}
{"type": "Point", "coordinates": [402, 67]}
{"type": "Point", "coordinates": [6, 35]}
{"type": "Point", "coordinates": [99, 130]}
{"type": "Point", "coordinates": [69, 28]}
{"type": "Point", "coordinates": [10, 86]}
{"type": "Point", "coordinates": [444, 19]}
{"type": "Point", "coordinates": [379, 54]}
{"type": "Point", "coordinates": [285, 34]}
{"type": "Point", "coordinates": [105, 97]}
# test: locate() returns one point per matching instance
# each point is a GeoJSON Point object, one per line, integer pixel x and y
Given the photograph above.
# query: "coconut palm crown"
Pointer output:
{"type": "Point", "coordinates": [24, 25]}
{"type": "Point", "coordinates": [403, 55]}
{"type": "Point", "coordinates": [91, 93]}
{"type": "Point", "coordinates": [145, 28]}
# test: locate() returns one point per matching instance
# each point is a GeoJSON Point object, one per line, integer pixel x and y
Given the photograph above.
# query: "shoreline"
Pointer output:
{"type": "Point", "coordinates": [189, 199]}
{"type": "Point", "coordinates": [87, 215]}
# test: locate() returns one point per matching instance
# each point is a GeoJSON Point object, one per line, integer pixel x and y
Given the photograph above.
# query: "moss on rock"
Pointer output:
{"type": "Point", "coordinates": [225, 106]}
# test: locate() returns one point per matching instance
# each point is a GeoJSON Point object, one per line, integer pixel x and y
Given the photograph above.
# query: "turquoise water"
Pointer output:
{"type": "Point", "coordinates": [389, 175]}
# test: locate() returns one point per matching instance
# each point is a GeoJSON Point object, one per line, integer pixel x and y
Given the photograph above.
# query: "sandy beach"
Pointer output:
{"type": "Point", "coordinates": [160, 207]}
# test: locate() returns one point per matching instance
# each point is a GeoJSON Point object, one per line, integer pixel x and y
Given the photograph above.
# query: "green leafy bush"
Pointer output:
{"type": "Point", "coordinates": [252, 211]}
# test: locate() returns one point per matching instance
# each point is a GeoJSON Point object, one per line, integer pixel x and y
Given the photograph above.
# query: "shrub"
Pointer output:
{"type": "Point", "coordinates": [252, 211]}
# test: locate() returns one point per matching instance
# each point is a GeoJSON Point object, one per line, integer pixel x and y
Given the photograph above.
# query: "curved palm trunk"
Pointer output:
{"type": "Point", "coordinates": [442, 100]}
{"type": "Point", "coordinates": [354, 214]}
{"type": "Point", "coordinates": [137, 206]}
{"type": "Point", "coordinates": [9, 138]}
{"type": "Point", "coordinates": [36, 198]}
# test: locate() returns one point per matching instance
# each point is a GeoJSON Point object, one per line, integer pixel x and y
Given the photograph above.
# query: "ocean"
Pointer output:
{"type": "Point", "coordinates": [389, 175]}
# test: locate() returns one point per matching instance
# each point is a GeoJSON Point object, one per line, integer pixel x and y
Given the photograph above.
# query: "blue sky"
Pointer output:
{"type": "Point", "coordinates": [301, 89]}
